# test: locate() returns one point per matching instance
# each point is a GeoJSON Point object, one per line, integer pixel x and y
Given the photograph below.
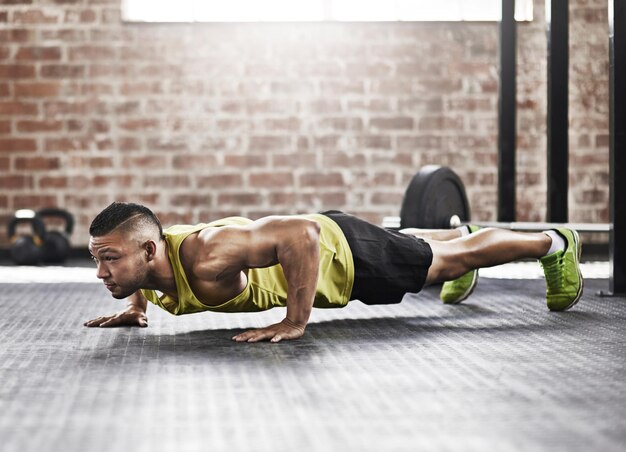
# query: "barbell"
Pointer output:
{"type": "Point", "coordinates": [435, 199]}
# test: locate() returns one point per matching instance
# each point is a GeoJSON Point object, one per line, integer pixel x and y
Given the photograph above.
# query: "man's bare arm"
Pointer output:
{"type": "Point", "coordinates": [292, 242]}
{"type": "Point", "coordinates": [133, 315]}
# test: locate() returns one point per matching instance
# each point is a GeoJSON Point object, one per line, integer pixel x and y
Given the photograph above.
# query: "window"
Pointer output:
{"type": "Point", "coordinates": [319, 10]}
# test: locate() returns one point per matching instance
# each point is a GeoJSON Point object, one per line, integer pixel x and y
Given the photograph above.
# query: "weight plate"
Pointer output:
{"type": "Point", "coordinates": [433, 196]}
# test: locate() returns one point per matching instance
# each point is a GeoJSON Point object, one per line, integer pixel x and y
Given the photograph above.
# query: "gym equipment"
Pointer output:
{"type": "Point", "coordinates": [557, 18]}
{"type": "Point", "coordinates": [56, 244]}
{"type": "Point", "coordinates": [436, 199]}
{"type": "Point", "coordinates": [434, 194]}
{"type": "Point", "coordinates": [26, 248]}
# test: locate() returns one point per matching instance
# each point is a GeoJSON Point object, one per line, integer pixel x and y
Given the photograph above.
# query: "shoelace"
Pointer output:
{"type": "Point", "coordinates": [554, 274]}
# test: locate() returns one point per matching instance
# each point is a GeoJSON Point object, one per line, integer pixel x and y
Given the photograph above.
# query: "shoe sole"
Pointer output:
{"type": "Point", "coordinates": [579, 250]}
{"type": "Point", "coordinates": [468, 292]}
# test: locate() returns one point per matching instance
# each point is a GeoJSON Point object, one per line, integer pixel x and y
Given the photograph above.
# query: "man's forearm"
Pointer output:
{"type": "Point", "coordinates": [137, 302]}
{"type": "Point", "coordinates": [300, 264]}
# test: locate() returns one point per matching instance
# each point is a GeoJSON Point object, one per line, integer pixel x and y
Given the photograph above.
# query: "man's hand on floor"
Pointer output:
{"type": "Point", "coordinates": [127, 317]}
{"type": "Point", "coordinates": [284, 330]}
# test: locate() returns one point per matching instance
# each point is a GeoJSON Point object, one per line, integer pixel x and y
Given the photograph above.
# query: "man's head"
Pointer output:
{"type": "Point", "coordinates": [123, 242]}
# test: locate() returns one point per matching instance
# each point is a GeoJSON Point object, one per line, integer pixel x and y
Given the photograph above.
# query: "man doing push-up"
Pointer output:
{"type": "Point", "coordinates": [303, 261]}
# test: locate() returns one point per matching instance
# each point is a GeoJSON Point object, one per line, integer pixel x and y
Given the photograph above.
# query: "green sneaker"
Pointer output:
{"type": "Point", "coordinates": [562, 269]}
{"type": "Point", "coordinates": [454, 292]}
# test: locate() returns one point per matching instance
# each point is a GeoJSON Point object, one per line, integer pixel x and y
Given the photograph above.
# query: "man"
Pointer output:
{"type": "Point", "coordinates": [304, 261]}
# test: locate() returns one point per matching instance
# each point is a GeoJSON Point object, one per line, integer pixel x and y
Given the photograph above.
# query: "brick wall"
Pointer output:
{"type": "Point", "coordinates": [205, 120]}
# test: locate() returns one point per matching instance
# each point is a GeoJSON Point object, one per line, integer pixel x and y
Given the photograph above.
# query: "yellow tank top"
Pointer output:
{"type": "Point", "coordinates": [266, 287]}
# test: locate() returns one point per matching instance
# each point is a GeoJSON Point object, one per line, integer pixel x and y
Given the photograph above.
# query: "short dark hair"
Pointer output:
{"type": "Point", "coordinates": [119, 213]}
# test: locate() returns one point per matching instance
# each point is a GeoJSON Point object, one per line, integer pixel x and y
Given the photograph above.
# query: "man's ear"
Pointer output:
{"type": "Point", "coordinates": [150, 247]}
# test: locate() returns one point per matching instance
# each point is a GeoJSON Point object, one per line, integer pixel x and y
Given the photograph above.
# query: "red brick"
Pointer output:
{"type": "Point", "coordinates": [343, 159]}
{"type": "Point", "coordinates": [106, 144]}
{"type": "Point", "coordinates": [245, 160]}
{"type": "Point", "coordinates": [111, 16]}
{"type": "Point", "coordinates": [18, 144]}
{"type": "Point", "coordinates": [166, 181]}
{"type": "Point", "coordinates": [233, 125]}
{"type": "Point", "coordinates": [374, 142]}
{"type": "Point", "coordinates": [62, 71]}
{"type": "Point", "coordinates": [66, 144]}
{"type": "Point", "coordinates": [36, 163]}
{"type": "Point", "coordinates": [88, 89]}
{"type": "Point", "coordinates": [4, 16]}
{"type": "Point", "coordinates": [5, 163]}
{"type": "Point", "coordinates": [34, 16]}
{"type": "Point", "coordinates": [118, 181]}
{"type": "Point", "coordinates": [197, 162]}
{"type": "Point", "coordinates": [18, 108]}
{"type": "Point", "coordinates": [38, 53]}
{"type": "Point", "coordinates": [114, 34]}
{"type": "Point", "coordinates": [91, 53]}
{"type": "Point", "coordinates": [4, 53]}
{"type": "Point", "coordinates": [15, 35]}
{"type": "Point", "coordinates": [33, 201]}
{"type": "Point", "coordinates": [99, 126]}
{"type": "Point", "coordinates": [271, 106]}
{"type": "Point", "coordinates": [190, 200]}
{"type": "Point", "coordinates": [174, 144]}
{"type": "Point", "coordinates": [270, 143]}
{"type": "Point", "coordinates": [90, 162]}
{"type": "Point", "coordinates": [333, 199]}
{"type": "Point", "coordinates": [145, 162]}
{"type": "Point", "coordinates": [16, 71]}
{"type": "Point", "coordinates": [140, 124]}
{"type": "Point", "coordinates": [239, 199]}
{"type": "Point", "coordinates": [129, 144]}
{"type": "Point", "coordinates": [402, 159]}
{"type": "Point", "coordinates": [40, 89]}
{"type": "Point", "coordinates": [341, 124]}
{"type": "Point", "coordinates": [4, 90]}
{"type": "Point", "coordinates": [39, 126]}
{"type": "Point", "coordinates": [53, 182]}
{"type": "Point", "coordinates": [73, 16]}
{"type": "Point", "coordinates": [321, 180]}
{"type": "Point", "coordinates": [271, 179]}
{"type": "Point", "coordinates": [65, 35]}
{"type": "Point", "coordinates": [5, 127]}
{"type": "Point", "coordinates": [454, 123]}
{"type": "Point", "coordinates": [602, 141]}
{"type": "Point", "coordinates": [220, 180]}
{"type": "Point", "coordinates": [396, 123]}
{"type": "Point", "coordinates": [75, 125]}
{"type": "Point", "coordinates": [471, 104]}
{"type": "Point", "coordinates": [293, 160]}
{"type": "Point", "coordinates": [15, 181]}
{"type": "Point", "coordinates": [113, 70]}
{"type": "Point", "coordinates": [141, 88]}
{"type": "Point", "coordinates": [65, 108]}
{"type": "Point", "coordinates": [330, 89]}
{"type": "Point", "coordinates": [82, 202]}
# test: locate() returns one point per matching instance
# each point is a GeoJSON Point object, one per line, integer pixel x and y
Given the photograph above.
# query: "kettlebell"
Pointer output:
{"type": "Point", "coordinates": [26, 248]}
{"type": "Point", "coordinates": [56, 244]}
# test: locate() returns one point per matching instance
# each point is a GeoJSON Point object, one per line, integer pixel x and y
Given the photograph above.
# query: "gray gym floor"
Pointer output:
{"type": "Point", "coordinates": [498, 373]}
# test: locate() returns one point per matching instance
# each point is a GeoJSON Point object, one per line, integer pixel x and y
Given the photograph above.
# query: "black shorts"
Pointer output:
{"type": "Point", "coordinates": [387, 264]}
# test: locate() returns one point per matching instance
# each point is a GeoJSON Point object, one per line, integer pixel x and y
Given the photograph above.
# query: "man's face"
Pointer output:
{"type": "Point", "coordinates": [121, 261]}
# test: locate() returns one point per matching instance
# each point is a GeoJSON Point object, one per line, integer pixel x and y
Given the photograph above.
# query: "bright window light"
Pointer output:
{"type": "Point", "coordinates": [319, 10]}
